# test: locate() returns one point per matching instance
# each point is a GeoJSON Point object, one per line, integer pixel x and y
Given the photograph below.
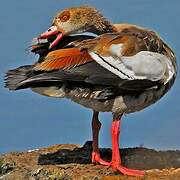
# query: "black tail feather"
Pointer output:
{"type": "Point", "coordinates": [14, 77]}
{"type": "Point", "coordinates": [25, 77]}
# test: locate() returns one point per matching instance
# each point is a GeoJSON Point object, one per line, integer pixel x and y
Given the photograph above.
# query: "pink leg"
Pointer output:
{"type": "Point", "coordinates": [96, 125]}
{"type": "Point", "coordinates": [116, 159]}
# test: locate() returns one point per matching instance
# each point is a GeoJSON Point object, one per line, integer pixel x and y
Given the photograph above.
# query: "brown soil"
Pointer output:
{"type": "Point", "coordinates": [73, 162]}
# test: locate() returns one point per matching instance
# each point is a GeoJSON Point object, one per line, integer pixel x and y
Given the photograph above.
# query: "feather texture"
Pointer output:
{"type": "Point", "coordinates": [63, 59]}
{"type": "Point", "coordinates": [133, 54]}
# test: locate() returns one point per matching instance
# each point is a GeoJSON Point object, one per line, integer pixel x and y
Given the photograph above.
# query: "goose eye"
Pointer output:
{"type": "Point", "coordinates": [65, 16]}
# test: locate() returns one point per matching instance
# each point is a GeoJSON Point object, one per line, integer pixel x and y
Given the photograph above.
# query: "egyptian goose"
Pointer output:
{"type": "Point", "coordinates": [116, 68]}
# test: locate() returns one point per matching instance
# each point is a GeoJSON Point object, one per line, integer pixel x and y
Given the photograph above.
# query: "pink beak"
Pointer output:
{"type": "Point", "coordinates": [52, 31]}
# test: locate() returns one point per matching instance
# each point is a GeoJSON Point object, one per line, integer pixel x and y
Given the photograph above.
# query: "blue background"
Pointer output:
{"type": "Point", "coordinates": [28, 120]}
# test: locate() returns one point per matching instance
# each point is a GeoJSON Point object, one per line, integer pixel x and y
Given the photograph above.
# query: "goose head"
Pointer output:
{"type": "Point", "coordinates": [72, 21]}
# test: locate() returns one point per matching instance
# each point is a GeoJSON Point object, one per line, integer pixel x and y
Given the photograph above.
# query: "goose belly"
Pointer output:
{"type": "Point", "coordinates": [119, 105]}
{"type": "Point", "coordinates": [84, 97]}
{"type": "Point", "coordinates": [138, 102]}
{"type": "Point", "coordinates": [51, 91]}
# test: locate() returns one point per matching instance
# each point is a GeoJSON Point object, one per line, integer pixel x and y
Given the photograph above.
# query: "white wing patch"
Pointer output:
{"type": "Point", "coordinates": [115, 49]}
{"type": "Point", "coordinates": [111, 64]}
{"type": "Point", "coordinates": [171, 70]}
{"type": "Point", "coordinates": [151, 65]}
{"type": "Point", "coordinates": [143, 65]}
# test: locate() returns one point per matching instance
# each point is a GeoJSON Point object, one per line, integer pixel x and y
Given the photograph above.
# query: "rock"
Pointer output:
{"type": "Point", "coordinates": [5, 167]}
{"type": "Point", "coordinates": [68, 162]}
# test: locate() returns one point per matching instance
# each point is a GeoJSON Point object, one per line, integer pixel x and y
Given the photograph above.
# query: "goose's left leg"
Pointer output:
{"type": "Point", "coordinates": [96, 126]}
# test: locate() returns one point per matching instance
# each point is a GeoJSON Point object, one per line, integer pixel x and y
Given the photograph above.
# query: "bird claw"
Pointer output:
{"type": "Point", "coordinates": [116, 166]}
{"type": "Point", "coordinates": [97, 160]}
{"type": "Point", "coordinates": [127, 171]}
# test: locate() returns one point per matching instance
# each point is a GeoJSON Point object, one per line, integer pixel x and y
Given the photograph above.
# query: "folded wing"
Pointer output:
{"type": "Point", "coordinates": [133, 54]}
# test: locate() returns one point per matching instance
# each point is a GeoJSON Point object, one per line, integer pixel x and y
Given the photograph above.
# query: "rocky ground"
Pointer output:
{"type": "Point", "coordinates": [68, 162]}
